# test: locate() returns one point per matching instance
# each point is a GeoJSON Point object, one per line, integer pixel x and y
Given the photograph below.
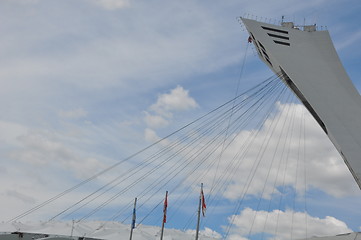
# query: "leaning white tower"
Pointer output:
{"type": "Point", "coordinates": [307, 62]}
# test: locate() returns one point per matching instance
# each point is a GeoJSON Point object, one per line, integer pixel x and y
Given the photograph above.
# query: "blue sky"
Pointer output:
{"type": "Point", "coordinates": [86, 83]}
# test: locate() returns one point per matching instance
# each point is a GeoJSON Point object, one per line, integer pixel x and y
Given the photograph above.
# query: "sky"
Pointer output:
{"type": "Point", "coordinates": [86, 83]}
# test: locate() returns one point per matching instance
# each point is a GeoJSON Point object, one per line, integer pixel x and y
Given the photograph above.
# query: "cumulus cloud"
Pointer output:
{"type": "Point", "coordinates": [284, 225]}
{"type": "Point", "coordinates": [150, 135]}
{"type": "Point", "coordinates": [271, 162]}
{"type": "Point", "coordinates": [161, 113]}
{"type": "Point", "coordinates": [155, 121]}
{"type": "Point", "coordinates": [206, 232]}
{"type": "Point", "coordinates": [112, 4]}
{"type": "Point", "coordinates": [177, 100]}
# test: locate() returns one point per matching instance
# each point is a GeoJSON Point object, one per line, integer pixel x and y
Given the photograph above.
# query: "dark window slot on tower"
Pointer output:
{"type": "Point", "coordinates": [253, 36]}
{"type": "Point", "coordinates": [264, 53]}
{"type": "Point", "coordinates": [261, 46]}
{"type": "Point", "coordinates": [269, 61]}
{"type": "Point", "coordinates": [282, 43]}
{"type": "Point", "coordinates": [275, 30]}
{"type": "Point", "coordinates": [278, 36]}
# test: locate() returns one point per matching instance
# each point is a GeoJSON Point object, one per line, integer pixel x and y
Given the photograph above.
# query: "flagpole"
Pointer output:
{"type": "Point", "coordinates": [199, 211]}
{"type": "Point", "coordinates": [164, 214]}
{"type": "Point", "coordinates": [133, 220]}
{"type": "Point", "coordinates": [72, 228]}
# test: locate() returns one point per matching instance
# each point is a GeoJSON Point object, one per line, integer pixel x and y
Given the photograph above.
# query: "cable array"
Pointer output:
{"type": "Point", "coordinates": [212, 149]}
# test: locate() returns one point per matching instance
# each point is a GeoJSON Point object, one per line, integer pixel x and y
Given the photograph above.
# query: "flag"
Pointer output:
{"type": "Point", "coordinates": [165, 207]}
{"type": "Point", "coordinates": [133, 220]}
{"type": "Point", "coordinates": [204, 207]}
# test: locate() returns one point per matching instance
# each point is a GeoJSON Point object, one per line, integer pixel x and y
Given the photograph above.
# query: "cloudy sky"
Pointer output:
{"type": "Point", "coordinates": [86, 83]}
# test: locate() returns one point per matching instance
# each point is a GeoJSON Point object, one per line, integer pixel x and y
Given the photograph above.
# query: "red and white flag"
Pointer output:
{"type": "Point", "coordinates": [165, 207]}
{"type": "Point", "coordinates": [204, 207]}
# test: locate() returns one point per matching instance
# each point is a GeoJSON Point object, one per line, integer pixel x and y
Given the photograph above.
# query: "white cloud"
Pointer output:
{"type": "Point", "coordinates": [155, 121]}
{"type": "Point", "coordinates": [236, 237]}
{"type": "Point", "coordinates": [150, 135]}
{"type": "Point", "coordinates": [177, 100]}
{"type": "Point", "coordinates": [284, 225]}
{"type": "Point", "coordinates": [113, 4]}
{"type": "Point", "coordinates": [278, 160]}
{"type": "Point", "coordinates": [206, 232]}
{"type": "Point", "coordinates": [46, 149]}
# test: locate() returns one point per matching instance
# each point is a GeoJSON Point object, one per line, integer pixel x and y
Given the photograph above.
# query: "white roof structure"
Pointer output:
{"type": "Point", "coordinates": [346, 236]}
{"type": "Point", "coordinates": [91, 230]}
{"type": "Point", "coordinates": [307, 62]}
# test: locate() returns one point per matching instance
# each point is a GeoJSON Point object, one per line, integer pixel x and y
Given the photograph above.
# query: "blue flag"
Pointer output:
{"type": "Point", "coordinates": [133, 220]}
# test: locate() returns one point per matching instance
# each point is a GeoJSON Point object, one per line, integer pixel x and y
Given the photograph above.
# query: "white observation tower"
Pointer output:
{"type": "Point", "coordinates": [306, 60]}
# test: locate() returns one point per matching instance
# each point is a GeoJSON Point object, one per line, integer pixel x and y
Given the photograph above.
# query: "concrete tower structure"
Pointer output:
{"type": "Point", "coordinates": [306, 60]}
